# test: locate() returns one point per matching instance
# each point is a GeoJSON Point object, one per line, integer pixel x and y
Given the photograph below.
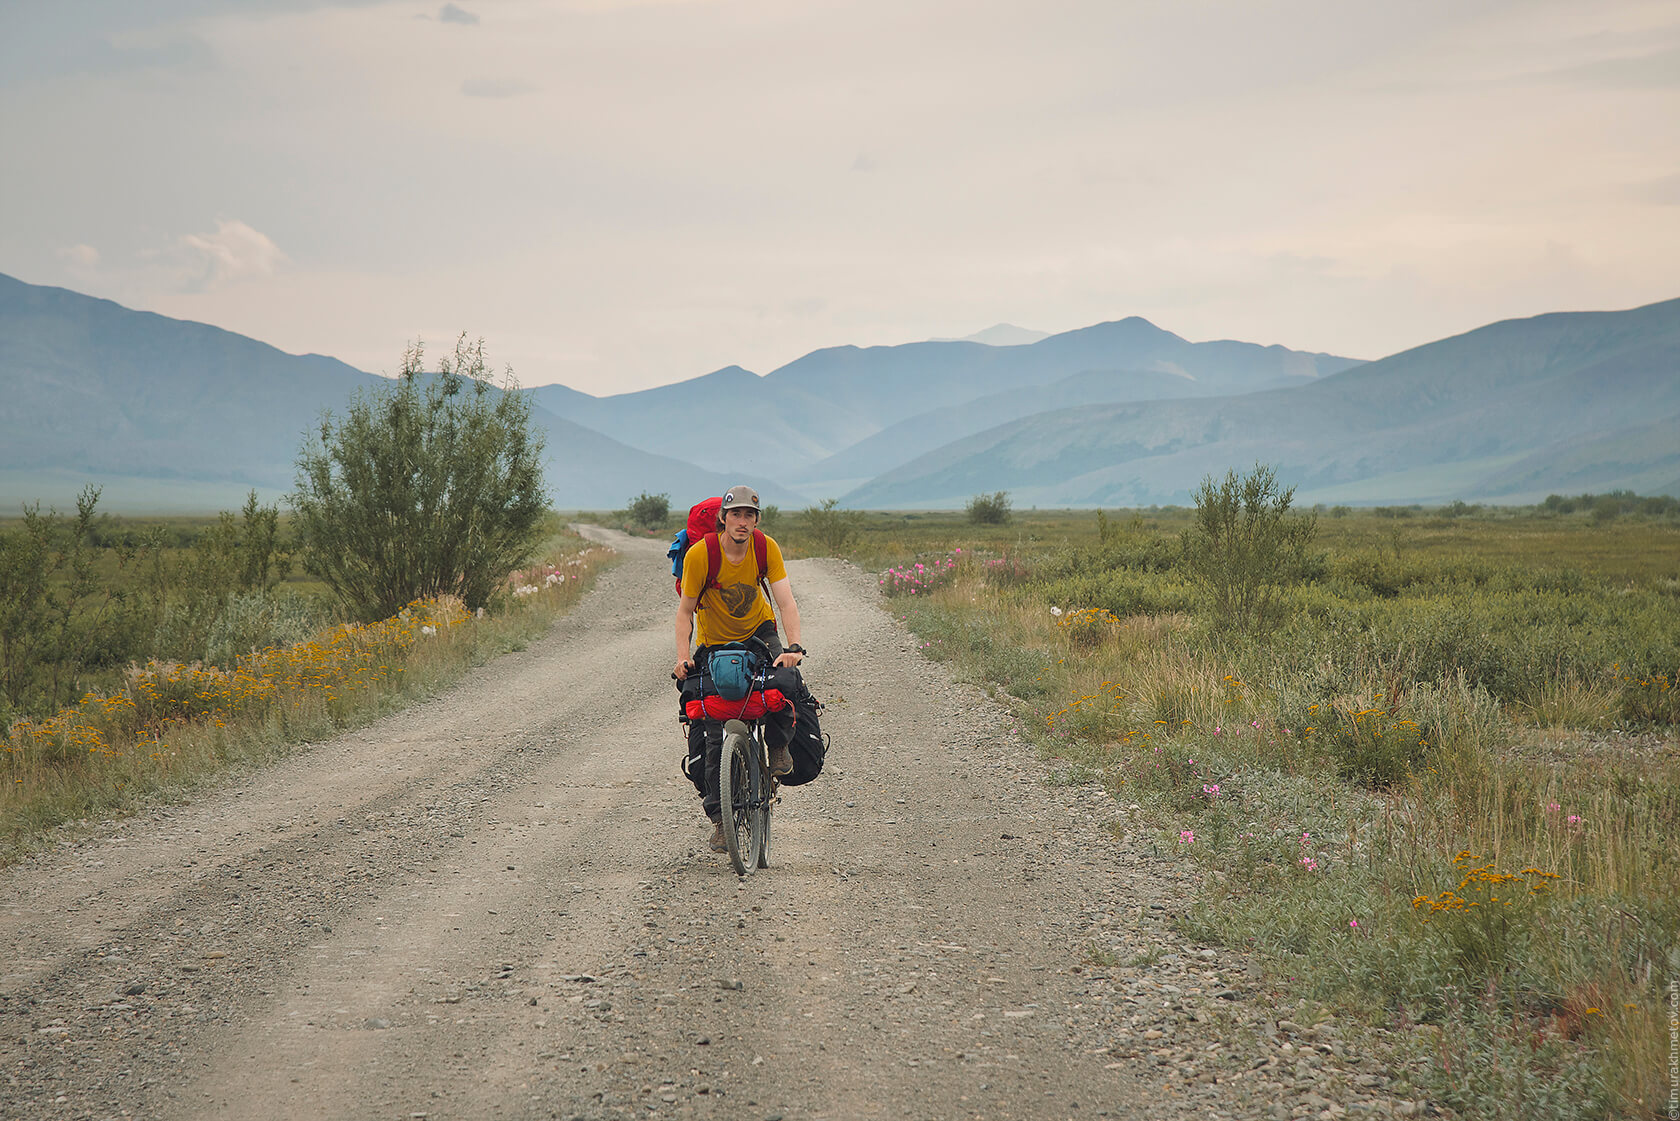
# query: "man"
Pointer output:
{"type": "Point", "coordinates": [730, 608]}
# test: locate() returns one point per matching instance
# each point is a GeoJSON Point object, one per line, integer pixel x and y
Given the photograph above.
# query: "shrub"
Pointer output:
{"type": "Point", "coordinates": [832, 527]}
{"type": "Point", "coordinates": [426, 487]}
{"type": "Point", "coordinates": [52, 606]}
{"type": "Point", "coordinates": [649, 510]}
{"type": "Point", "coordinates": [255, 620]}
{"type": "Point", "coordinates": [989, 509]}
{"type": "Point", "coordinates": [1244, 546]}
{"type": "Point", "coordinates": [1371, 746]}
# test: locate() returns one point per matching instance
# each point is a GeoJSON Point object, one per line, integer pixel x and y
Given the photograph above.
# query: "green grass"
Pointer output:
{"type": "Point", "coordinates": [1439, 791]}
{"type": "Point", "coordinates": [167, 728]}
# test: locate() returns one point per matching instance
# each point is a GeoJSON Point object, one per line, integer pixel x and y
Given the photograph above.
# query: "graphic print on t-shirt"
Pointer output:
{"type": "Point", "coordinates": [738, 599]}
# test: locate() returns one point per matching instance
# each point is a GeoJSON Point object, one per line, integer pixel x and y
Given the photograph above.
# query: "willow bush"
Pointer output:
{"type": "Point", "coordinates": [430, 486]}
{"type": "Point", "coordinates": [1245, 546]}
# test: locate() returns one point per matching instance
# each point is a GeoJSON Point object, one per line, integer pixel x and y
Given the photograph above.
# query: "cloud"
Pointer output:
{"type": "Point", "coordinates": [454, 13]}
{"type": "Point", "coordinates": [80, 257]}
{"type": "Point", "coordinates": [100, 54]}
{"type": "Point", "coordinates": [234, 252]}
{"type": "Point", "coordinates": [1654, 70]}
{"type": "Point", "coordinates": [495, 87]}
{"type": "Point", "coordinates": [1662, 192]}
{"type": "Point", "coordinates": [864, 163]}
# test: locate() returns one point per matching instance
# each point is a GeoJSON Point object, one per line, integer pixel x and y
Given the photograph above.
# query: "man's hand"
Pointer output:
{"type": "Point", "coordinates": [681, 670]}
{"type": "Point", "coordinates": [789, 659]}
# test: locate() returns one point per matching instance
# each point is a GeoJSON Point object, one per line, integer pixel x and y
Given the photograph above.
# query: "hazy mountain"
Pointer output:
{"type": "Point", "coordinates": [172, 415]}
{"type": "Point", "coordinates": [1001, 334]}
{"type": "Point", "coordinates": [902, 442]}
{"type": "Point", "coordinates": [832, 399]}
{"type": "Point", "coordinates": [1507, 412]}
{"type": "Point", "coordinates": [730, 420]}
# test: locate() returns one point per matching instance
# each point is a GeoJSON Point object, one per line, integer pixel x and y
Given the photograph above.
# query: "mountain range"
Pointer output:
{"type": "Point", "coordinates": [167, 414]}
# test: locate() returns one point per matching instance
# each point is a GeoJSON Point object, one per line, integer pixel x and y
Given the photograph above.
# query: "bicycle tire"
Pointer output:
{"type": "Point", "coordinates": [768, 786]}
{"type": "Point", "coordinates": [738, 786]}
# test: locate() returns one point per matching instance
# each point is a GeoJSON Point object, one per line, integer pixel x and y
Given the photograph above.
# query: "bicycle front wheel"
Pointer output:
{"type": "Point", "coordinates": [740, 796]}
{"type": "Point", "coordinates": [768, 786]}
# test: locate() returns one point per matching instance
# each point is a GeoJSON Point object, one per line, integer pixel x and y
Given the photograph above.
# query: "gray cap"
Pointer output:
{"type": "Point", "coordinates": [740, 496]}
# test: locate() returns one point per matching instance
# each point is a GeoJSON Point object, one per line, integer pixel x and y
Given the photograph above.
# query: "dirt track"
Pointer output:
{"type": "Point", "coordinates": [499, 903]}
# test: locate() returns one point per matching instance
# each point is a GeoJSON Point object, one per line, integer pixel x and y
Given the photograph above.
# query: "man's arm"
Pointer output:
{"type": "Point", "coordinates": [782, 590]}
{"type": "Point", "coordinates": [684, 631]}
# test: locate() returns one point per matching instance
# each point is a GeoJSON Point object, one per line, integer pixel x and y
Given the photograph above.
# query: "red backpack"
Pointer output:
{"type": "Point", "coordinates": [703, 520]}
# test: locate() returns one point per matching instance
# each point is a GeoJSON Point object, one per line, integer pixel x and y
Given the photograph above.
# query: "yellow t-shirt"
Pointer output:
{"type": "Point", "coordinates": [735, 609]}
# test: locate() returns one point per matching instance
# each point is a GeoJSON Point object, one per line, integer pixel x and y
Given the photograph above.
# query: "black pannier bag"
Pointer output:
{"type": "Point", "coordinates": [809, 745]}
{"type": "Point", "coordinates": [694, 759]}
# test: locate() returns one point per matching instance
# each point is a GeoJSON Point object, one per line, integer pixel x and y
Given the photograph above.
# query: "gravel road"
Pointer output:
{"type": "Point", "coordinates": [499, 903]}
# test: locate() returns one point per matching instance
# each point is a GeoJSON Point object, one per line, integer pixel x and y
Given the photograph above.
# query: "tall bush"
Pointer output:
{"type": "Point", "coordinates": [56, 616]}
{"type": "Point", "coordinates": [237, 556]}
{"type": "Point", "coordinates": [428, 486]}
{"type": "Point", "coordinates": [989, 509]}
{"type": "Point", "coordinates": [832, 527]}
{"type": "Point", "coordinates": [1244, 546]}
{"type": "Point", "coordinates": [649, 510]}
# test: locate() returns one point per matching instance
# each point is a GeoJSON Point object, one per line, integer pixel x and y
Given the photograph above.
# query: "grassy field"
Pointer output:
{"type": "Point", "coordinates": [156, 728]}
{"type": "Point", "coordinates": [1439, 791]}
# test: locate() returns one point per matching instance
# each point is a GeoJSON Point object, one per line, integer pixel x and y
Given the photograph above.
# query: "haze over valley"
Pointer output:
{"type": "Point", "coordinates": [172, 415]}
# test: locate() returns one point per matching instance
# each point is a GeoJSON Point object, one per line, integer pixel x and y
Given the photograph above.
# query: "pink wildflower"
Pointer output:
{"type": "Point", "coordinates": [1187, 837]}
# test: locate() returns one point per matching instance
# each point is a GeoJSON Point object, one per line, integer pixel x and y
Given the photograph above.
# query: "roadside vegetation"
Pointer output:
{"type": "Point", "coordinates": [1428, 759]}
{"type": "Point", "coordinates": [138, 657]}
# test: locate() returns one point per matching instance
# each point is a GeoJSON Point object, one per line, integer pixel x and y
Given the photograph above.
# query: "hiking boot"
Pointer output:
{"type": "Point", "coordinates": [717, 842]}
{"type": "Point", "coordinates": [781, 761]}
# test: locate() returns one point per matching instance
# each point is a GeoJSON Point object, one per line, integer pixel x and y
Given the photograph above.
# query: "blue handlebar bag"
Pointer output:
{"type": "Point", "coordinates": [732, 669]}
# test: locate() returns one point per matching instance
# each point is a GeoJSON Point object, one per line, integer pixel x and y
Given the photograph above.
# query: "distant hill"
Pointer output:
{"type": "Point", "coordinates": [1509, 412]}
{"type": "Point", "coordinates": [172, 415]}
{"type": "Point", "coordinates": [1002, 334]}
{"type": "Point", "coordinates": [835, 399]}
{"type": "Point", "coordinates": [900, 443]}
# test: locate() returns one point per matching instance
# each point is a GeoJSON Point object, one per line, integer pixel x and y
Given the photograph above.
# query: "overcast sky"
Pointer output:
{"type": "Point", "coordinates": [618, 194]}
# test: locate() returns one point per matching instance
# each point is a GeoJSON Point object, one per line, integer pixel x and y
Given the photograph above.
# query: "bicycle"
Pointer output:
{"type": "Point", "coordinates": [746, 793]}
{"type": "Point", "coordinates": [746, 789]}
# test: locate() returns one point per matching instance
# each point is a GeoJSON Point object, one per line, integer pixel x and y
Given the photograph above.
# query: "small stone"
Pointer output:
{"type": "Point", "coordinates": [377, 1024]}
{"type": "Point", "coordinates": [734, 984]}
{"type": "Point", "coordinates": [135, 989]}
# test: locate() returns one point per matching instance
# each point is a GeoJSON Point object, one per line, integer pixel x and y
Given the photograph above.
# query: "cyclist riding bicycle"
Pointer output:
{"type": "Point", "coordinates": [730, 608]}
